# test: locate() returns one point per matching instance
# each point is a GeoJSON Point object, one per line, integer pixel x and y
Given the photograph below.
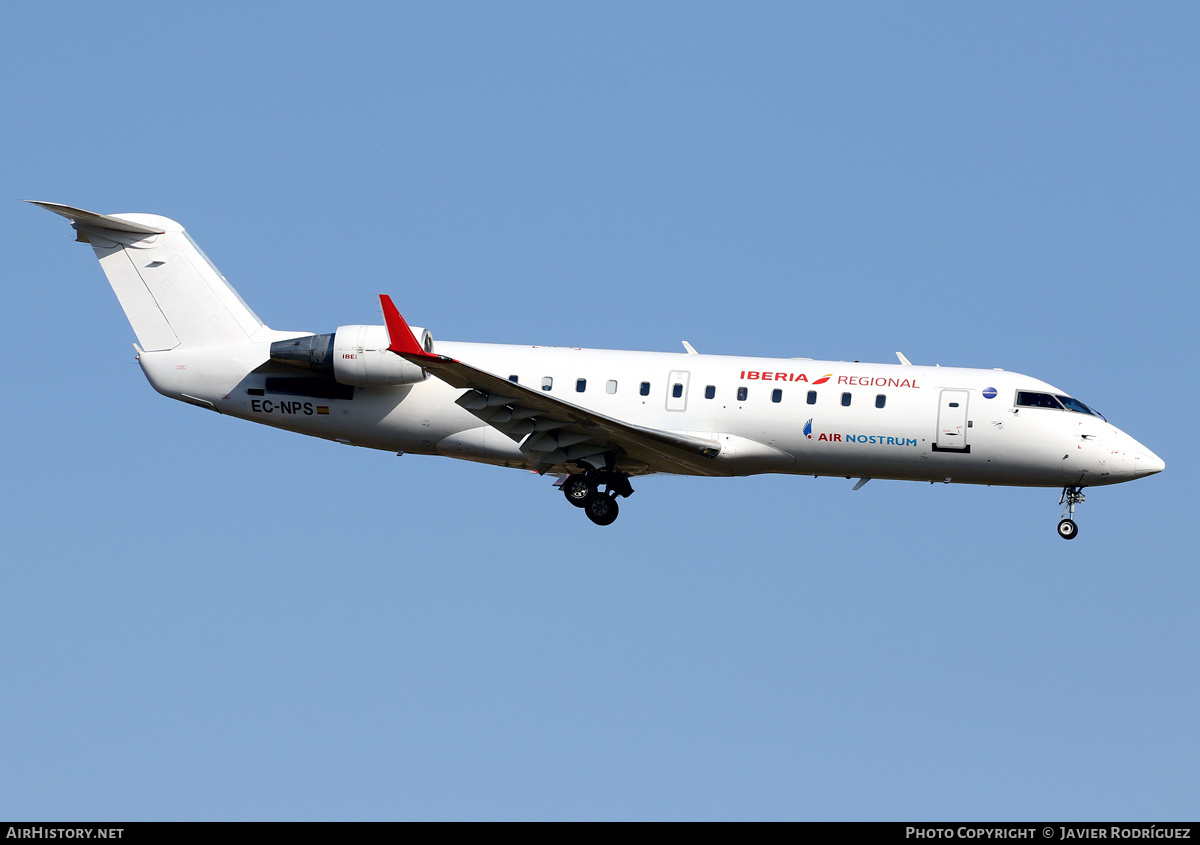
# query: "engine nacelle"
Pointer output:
{"type": "Point", "coordinates": [361, 357]}
{"type": "Point", "coordinates": [354, 355]}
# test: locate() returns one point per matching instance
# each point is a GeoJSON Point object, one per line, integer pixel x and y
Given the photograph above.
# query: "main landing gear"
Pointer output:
{"type": "Point", "coordinates": [583, 491]}
{"type": "Point", "coordinates": [1071, 496]}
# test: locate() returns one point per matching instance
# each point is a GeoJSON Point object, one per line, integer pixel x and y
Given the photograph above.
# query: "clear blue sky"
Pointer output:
{"type": "Point", "coordinates": [205, 619]}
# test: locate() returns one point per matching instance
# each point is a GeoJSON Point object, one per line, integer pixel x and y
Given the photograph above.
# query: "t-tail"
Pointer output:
{"type": "Point", "coordinates": [171, 293]}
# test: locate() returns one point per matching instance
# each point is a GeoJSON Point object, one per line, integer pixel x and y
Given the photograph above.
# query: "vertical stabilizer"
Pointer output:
{"type": "Point", "coordinates": [171, 293]}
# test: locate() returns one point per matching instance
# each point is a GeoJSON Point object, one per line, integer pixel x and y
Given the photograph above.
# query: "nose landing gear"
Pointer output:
{"type": "Point", "coordinates": [1071, 496]}
{"type": "Point", "coordinates": [583, 491]}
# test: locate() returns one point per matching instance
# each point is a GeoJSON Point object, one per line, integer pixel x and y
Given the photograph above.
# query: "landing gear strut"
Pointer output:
{"type": "Point", "coordinates": [1071, 496]}
{"type": "Point", "coordinates": [583, 491]}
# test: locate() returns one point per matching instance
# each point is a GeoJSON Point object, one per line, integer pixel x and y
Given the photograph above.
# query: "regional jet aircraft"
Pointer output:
{"type": "Point", "coordinates": [594, 418]}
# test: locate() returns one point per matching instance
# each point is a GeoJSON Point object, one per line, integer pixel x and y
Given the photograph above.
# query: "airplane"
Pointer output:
{"type": "Point", "coordinates": [594, 418]}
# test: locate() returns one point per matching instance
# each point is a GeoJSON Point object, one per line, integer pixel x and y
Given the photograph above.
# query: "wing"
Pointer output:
{"type": "Point", "coordinates": [549, 431]}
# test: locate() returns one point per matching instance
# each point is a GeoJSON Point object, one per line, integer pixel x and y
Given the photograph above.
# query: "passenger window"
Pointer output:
{"type": "Point", "coordinates": [645, 389]}
{"type": "Point", "coordinates": [812, 397]}
{"type": "Point", "coordinates": [580, 385]}
{"type": "Point", "coordinates": [845, 400]}
{"type": "Point", "coordinates": [880, 401]}
{"type": "Point", "coordinates": [710, 391]}
{"type": "Point", "coordinates": [1037, 400]}
{"type": "Point", "coordinates": [513, 379]}
{"type": "Point", "coordinates": [677, 390]}
{"type": "Point", "coordinates": [742, 394]}
{"type": "Point", "coordinates": [547, 382]}
{"type": "Point", "coordinates": [777, 395]}
{"type": "Point", "coordinates": [611, 386]}
{"type": "Point", "coordinates": [953, 404]}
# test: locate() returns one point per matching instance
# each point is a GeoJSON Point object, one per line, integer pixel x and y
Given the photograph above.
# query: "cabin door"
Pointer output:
{"type": "Point", "coordinates": [952, 420]}
{"type": "Point", "coordinates": [677, 387]}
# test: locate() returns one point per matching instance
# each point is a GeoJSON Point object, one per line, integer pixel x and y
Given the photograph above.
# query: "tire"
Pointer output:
{"type": "Point", "coordinates": [1068, 530]}
{"type": "Point", "coordinates": [602, 509]}
{"type": "Point", "coordinates": [577, 489]}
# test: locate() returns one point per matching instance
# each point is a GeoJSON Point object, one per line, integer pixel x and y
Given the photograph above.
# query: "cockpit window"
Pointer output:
{"type": "Point", "coordinates": [1027, 399]}
{"type": "Point", "coordinates": [1078, 407]}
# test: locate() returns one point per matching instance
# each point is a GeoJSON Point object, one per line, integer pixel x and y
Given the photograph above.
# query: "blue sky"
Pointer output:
{"type": "Point", "coordinates": [204, 619]}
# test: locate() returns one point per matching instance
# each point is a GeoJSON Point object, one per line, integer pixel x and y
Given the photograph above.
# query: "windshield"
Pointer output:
{"type": "Point", "coordinates": [1058, 402]}
{"type": "Point", "coordinates": [1079, 407]}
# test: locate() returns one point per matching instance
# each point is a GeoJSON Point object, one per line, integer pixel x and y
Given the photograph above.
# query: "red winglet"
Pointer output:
{"type": "Point", "coordinates": [400, 336]}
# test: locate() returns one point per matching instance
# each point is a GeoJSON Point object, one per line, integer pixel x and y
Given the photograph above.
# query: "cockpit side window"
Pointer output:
{"type": "Point", "coordinates": [1027, 399]}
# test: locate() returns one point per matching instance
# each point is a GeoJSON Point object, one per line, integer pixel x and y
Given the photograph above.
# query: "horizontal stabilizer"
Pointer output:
{"type": "Point", "coordinates": [98, 221]}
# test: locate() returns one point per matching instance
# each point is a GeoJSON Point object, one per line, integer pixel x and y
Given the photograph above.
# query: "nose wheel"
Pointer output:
{"type": "Point", "coordinates": [1071, 496]}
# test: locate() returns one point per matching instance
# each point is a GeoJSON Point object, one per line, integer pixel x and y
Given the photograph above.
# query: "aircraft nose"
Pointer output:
{"type": "Point", "coordinates": [1146, 462]}
{"type": "Point", "coordinates": [1129, 459]}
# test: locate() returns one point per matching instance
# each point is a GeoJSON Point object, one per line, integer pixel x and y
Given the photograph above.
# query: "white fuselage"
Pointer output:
{"type": "Point", "coordinates": [931, 424]}
{"type": "Point", "coordinates": [594, 417]}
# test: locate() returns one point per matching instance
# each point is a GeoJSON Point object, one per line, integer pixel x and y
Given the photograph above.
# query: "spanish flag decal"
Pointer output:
{"type": "Point", "coordinates": [323, 409]}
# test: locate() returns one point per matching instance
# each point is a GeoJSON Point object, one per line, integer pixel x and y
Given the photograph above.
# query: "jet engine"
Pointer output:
{"type": "Point", "coordinates": [354, 355]}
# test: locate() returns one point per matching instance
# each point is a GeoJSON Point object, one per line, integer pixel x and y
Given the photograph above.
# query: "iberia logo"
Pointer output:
{"type": "Point", "coordinates": [762, 375]}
